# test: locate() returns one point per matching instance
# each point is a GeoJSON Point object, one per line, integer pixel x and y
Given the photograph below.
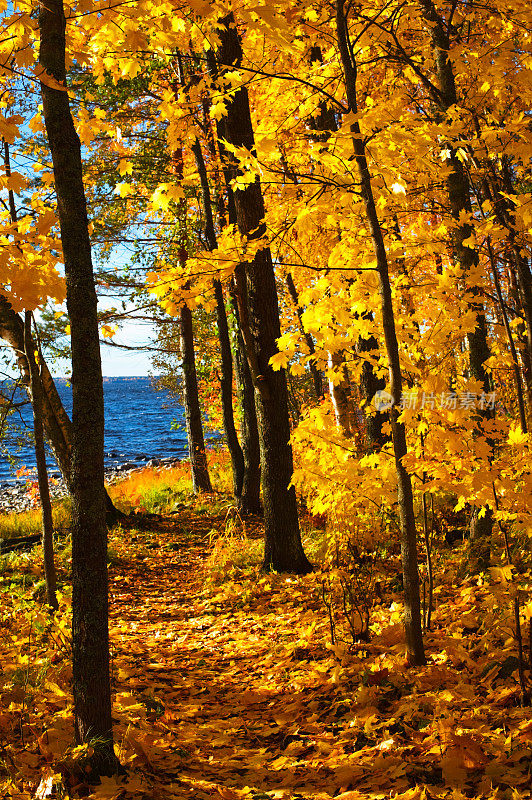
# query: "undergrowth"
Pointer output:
{"type": "Point", "coordinates": [28, 523]}
{"type": "Point", "coordinates": [233, 553]}
{"type": "Point", "coordinates": [308, 694]}
{"type": "Point", "coordinates": [156, 490]}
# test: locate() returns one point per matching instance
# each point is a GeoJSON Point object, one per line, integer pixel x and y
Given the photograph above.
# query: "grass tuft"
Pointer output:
{"type": "Point", "coordinates": [153, 490]}
{"type": "Point", "coordinates": [29, 523]}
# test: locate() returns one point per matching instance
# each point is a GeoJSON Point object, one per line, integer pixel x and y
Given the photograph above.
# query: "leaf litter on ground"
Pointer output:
{"type": "Point", "coordinates": [226, 684]}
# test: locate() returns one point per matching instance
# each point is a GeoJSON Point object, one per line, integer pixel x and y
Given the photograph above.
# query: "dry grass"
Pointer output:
{"type": "Point", "coordinates": [161, 490]}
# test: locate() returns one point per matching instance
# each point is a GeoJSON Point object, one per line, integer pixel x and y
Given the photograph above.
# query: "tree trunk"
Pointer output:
{"type": "Point", "coordinates": [260, 325]}
{"type": "Point", "coordinates": [369, 386]}
{"type": "Point", "coordinates": [413, 627]}
{"type": "Point", "coordinates": [42, 472]}
{"type": "Point", "coordinates": [250, 498]}
{"type": "Point", "coordinates": [201, 481]}
{"type": "Point", "coordinates": [226, 379]}
{"type": "Point", "coordinates": [341, 397]}
{"type": "Point", "coordinates": [226, 386]}
{"type": "Point", "coordinates": [520, 329]}
{"type": "Point", "coordinates": [14, 330]}
{"type": "Point", "coordinates": [196, 445]}
{"type": "Point", "coordinates": [459, 201]}
{"type": "Point", "coordinates": [90, 636]}
{"type": "Point", "coordinates": [509, 335]}
{"type": "Point", "coordinates": [504, 211]}
{"type": "Point", "coordinates": [317, 380]}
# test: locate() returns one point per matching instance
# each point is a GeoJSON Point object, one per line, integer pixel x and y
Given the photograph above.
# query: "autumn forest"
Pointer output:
{"type": "Point", "coordinates": [325, 211]}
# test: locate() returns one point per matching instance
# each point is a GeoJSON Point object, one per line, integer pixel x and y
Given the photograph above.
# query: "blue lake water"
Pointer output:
{"type": "Point", "coordinates": [138, 425]}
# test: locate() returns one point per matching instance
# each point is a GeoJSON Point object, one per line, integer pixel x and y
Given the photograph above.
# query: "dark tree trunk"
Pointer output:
{"type": "Point", "coordinates": [520, 330]}
{"type": "Point", "coordinates": [196, 445]}
{"type": "Point", "coordinates": [413, 627]}
{"type": "Point", "coordinates": [250, 497]}
{"type": "Point", "coordinates": [15, 332]}
{"type": "Point", "coordinates": [201, 481]}
{"type": "Point", "coordinates": [369, 386]}
{"type": "Point", "coordinates": [505, 214]}
{"type": "Point", "coordinates": [35, 391]}
{"type": "Point", "coordinates": [90, 637]}
{"type": "Point", "coordinates": [226, 386]}
{"type": "Point", "coordinates": [226, 379]}
{"type": "Point", "coordinates": [12, 332]}
{"type": "Point", "coordinates": [525, 296]}
{"type": "Point", "coordinates": [42, 472]}
{"type": "Point", "coordinates": [457, 183]}
{"type": "Point", "coordinates": [509, 334]}
{"type": "Point", "coordinates": [325, 122]}
{"type": "Point", "coordinates": [260, 326]}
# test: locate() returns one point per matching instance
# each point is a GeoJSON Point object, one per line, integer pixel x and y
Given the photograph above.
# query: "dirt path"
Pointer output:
{"type": "Point", "coordinates": [220, 711]}
{"type": "Point", "coordinates": [230, 691]}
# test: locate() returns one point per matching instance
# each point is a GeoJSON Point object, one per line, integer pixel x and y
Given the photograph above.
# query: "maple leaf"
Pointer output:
{"type": "Point", "coordinates": [9, 127]}
{"type": "Point", "coordinates": [124, 189]}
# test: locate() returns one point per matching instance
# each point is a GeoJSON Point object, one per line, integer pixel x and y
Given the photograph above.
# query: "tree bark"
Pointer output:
{"type": "Point", "coordinates": [15, 332]}
{"type": "Point", "coordinates": [413, 627]}
{"type": "Point", "coordinates": [509, 335]}
{"type": "Point", "coordinates": [467, 257]}
{"type": "Point", "coordinates": [226, 386]}
{"type": "Point", "coordinates": [369, 386]}
{"type": "Point", "coordinates": [12, 332]}
{"type": "Point", "coordinates": [90, 636]}
{"type": "Point", "coordinates": [503, 209]}
{"type": "Point", "coordinates": [42, 472]}
{"type": "Point", "coordinates": [226, 379]}
{"type": "Point", "coordinates": [341, 396]}
{"type": "Point", "coordinates": [250, 498]}
{"type": "Point", "coordinates": [201, 481]}
{"type": "Point", "coordinates": [260, 325]}
{"type": "Point", "coordinates": [325, 122]}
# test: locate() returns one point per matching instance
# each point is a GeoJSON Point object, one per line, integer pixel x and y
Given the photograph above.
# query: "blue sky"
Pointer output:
{"type": "Point", "coordinates": [128, 362]}
{"type": "Point", "coordinates": [117, 362]}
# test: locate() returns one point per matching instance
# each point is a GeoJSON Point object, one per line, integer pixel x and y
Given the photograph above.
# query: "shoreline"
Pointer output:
{"type": "Point", "coordinates": [15, 497]}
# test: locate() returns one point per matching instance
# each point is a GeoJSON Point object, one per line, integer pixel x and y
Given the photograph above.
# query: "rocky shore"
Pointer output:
{"type": "Point", "coordinates": [17, 496]}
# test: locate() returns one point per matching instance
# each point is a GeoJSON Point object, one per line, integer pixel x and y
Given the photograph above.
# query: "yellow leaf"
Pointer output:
{"type": "Point", "coordinates": [279, 361]}
{"type": "Point", "coordinates": [9, 127]}
{"type": "Point", "coordinates": [16, 182]}
{"type": "Point", "coordinates": [516, 436]}
{"type": "Point", "coordinates": [503, 574]}
{"type": "Point", "coordinates": [125, 167]}
{"type": "Point", "coordinates": [527, 611]}
{"type": "Point", "coordinates": [124, 189]}
{"type": "Point", "coordinates": [108, 331]}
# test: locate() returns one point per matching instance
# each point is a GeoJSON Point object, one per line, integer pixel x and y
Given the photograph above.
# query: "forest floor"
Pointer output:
{"type": "Point", "coordinates": [226, 684]}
